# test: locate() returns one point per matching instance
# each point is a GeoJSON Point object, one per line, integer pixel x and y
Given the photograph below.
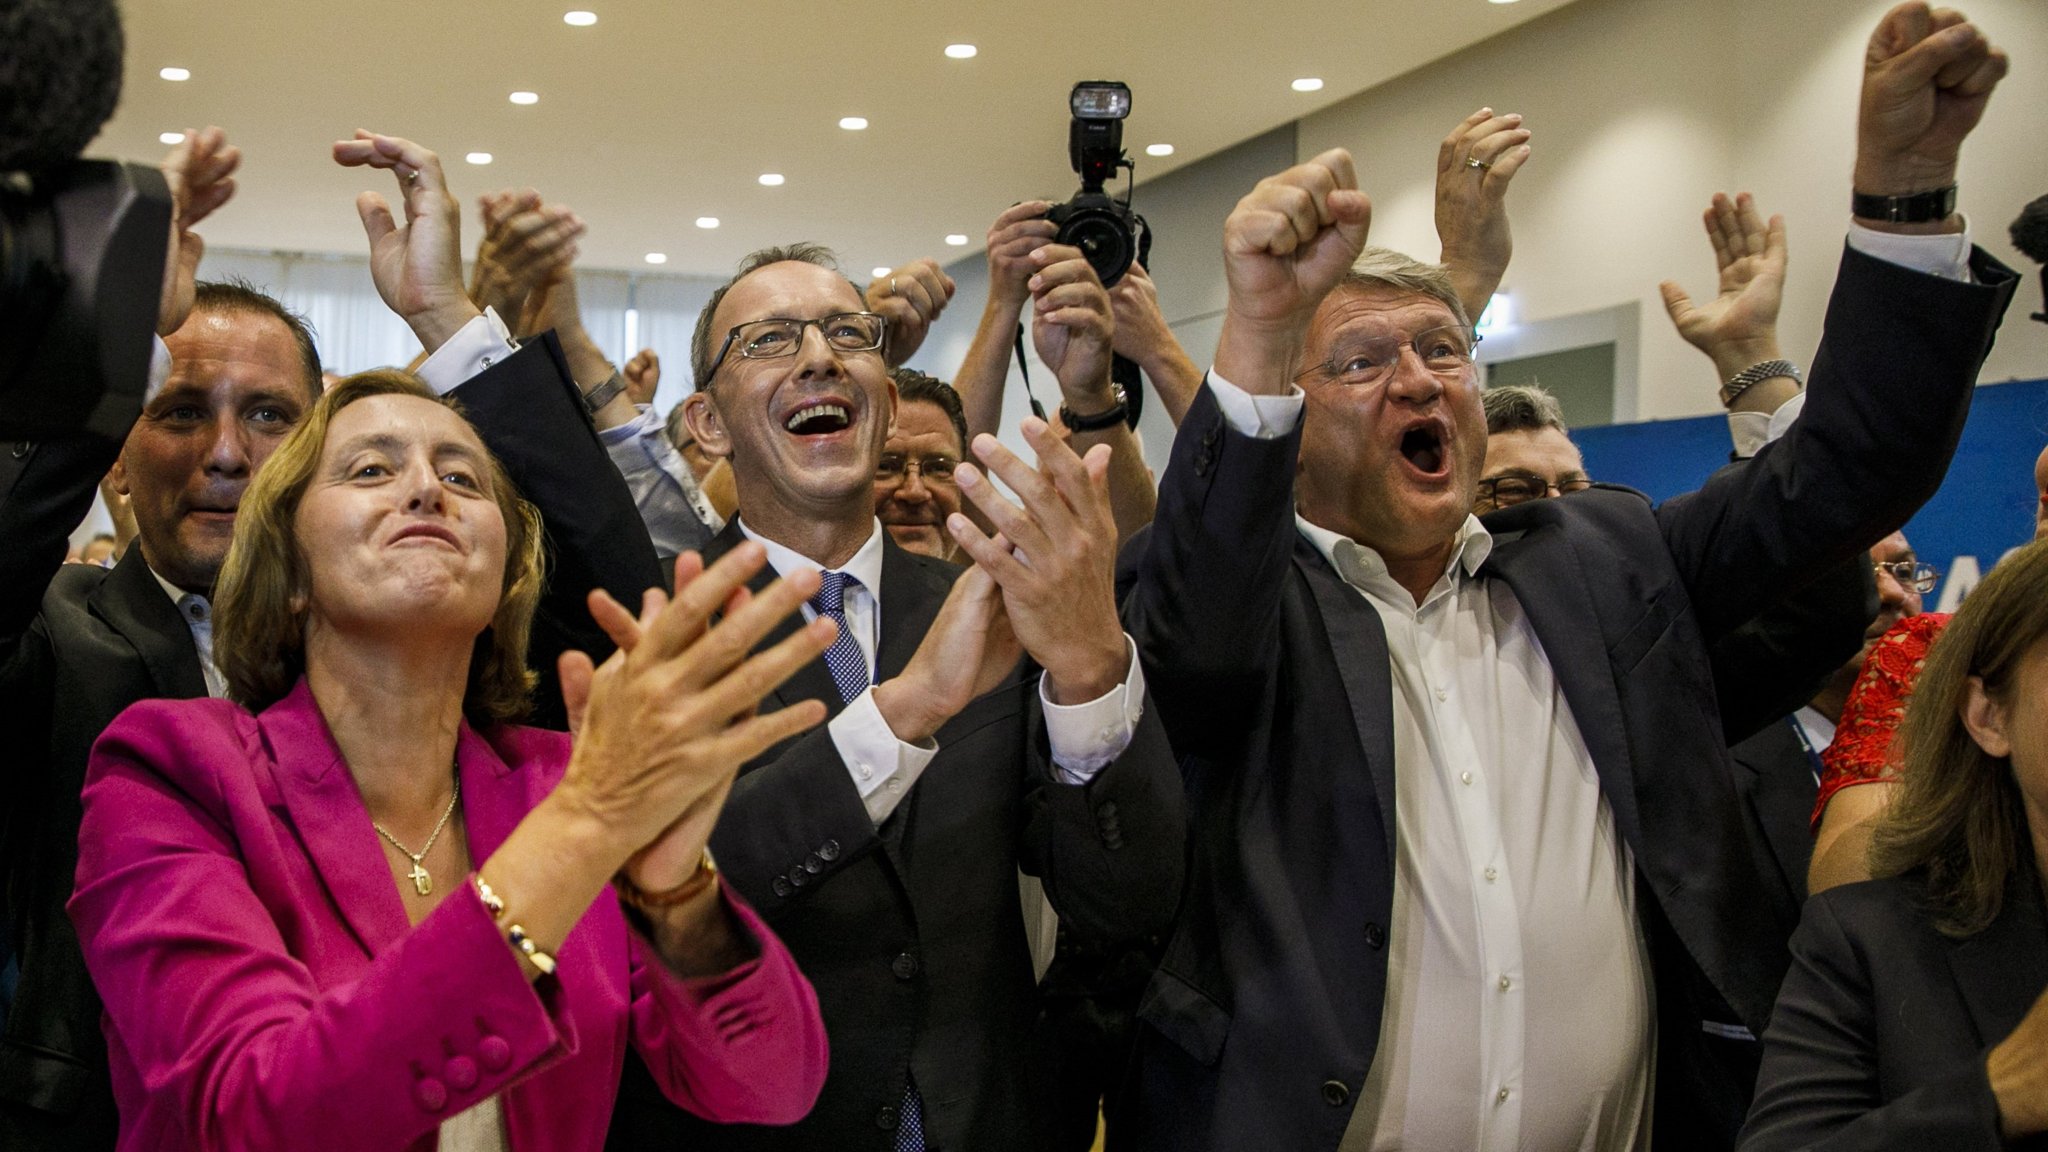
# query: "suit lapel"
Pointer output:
{"type": "Point", "coordinates": [133, 604]}
{"type": "Point", "coordinates": [327, 809]}
{"type": "Point", "coordinates": [1540, 567]}
{"type": "Point", "coordinates": [910, 601]}
{"type": "Point", "coordinates": [1781, 789]}
{"type": "Point", "coordinates": [2003, 969]}
{"type": "Point", "coordinates": [1358, 645]}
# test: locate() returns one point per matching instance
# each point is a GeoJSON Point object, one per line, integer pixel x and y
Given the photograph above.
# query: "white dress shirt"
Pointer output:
{"type": "Point", "coordinates": [1519, 989]}
{"type": "Point", "coordinates": [197, 613]}
{"type": "Point", "coordinates": [1084, 737]}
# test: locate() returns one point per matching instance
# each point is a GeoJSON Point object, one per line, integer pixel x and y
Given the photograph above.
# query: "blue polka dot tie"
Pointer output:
{"type": "Point", "coordinates": [850, 672]}
{"type": "Point", "coordinates": [849, 667]}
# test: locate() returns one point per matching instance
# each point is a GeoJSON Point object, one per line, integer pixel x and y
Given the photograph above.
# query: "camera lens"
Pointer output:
{"type": "Point", "coordinates": [1103, 239]}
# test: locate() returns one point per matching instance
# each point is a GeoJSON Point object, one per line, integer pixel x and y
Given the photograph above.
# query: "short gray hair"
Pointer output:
{"type": "Point", "coordinates": [1385, 270]}
{"type": "Point", "coordinates": [802, 252]}
{"type": "Point", "coordinates": [1521, 408]}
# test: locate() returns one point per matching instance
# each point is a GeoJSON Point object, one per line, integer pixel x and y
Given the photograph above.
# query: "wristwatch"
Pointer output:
{"type": "Point", "coordinates": [1756, 374]}
{"type": "Point", "coordinates": [1114, 415]}
{"type": "Point", "coordinates": [602, 395]}
{"type": "Point", "coordinates": [1918, 208]}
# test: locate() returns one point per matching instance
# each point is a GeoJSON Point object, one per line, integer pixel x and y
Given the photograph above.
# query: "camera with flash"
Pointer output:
{"type": "Point", "coordinates": [1103, 227]}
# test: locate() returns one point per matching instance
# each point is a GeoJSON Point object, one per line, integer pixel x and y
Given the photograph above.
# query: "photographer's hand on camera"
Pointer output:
{"type": "Point", "coordinates": [1474, 167]}
{"type": "Point", "coordinates": [1018, 231]}
{"type": "Point", "coordinates": [1142, 337]}
{"type": "Point", "coordinates": [910, 298]}
{"type": "Point", "coordinates": [200, 172]}
{"type": "Point", "coordinates": [1285, 245]}
{"type": "Point", "coordinates": [417, 265]}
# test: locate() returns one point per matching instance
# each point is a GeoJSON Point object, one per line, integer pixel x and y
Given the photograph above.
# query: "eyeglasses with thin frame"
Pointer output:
{"type": "Point", "coordinates": [1912, 574]}
{"type": "Point", "coordinates": [1521, 487]}
{"type": "Point", "coordinates": [1365, 361]}
{"type": "Point", "coordinates": [781, 336]}
{"type": "Point", "coordinates": [894, 468]}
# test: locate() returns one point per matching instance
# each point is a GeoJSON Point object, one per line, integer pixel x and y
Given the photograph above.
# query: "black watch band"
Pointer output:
{"type": "Point", "coordinates": [602, 395]}
{"type": "Point", "coordinates": [1918, 208]}
{"type": "Point", "coordinates": [1111, 417]}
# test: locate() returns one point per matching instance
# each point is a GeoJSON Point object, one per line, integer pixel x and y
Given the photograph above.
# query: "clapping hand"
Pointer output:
{"type": "Point", "coordinates": [417, 265]}
{"type": "Point", "coordinates": [1285, 245]}
{"type": "Point", "coordinates": [1474, 166]}
{"type": "Point", "coordinates": [1054, 559]}
{"type": "Point", "coordinates": [665, 724]}
{"type": "Point", "coordinates": [1739, 326]}
{"type": "Point", "coordinates": [525, 245]}
{"type": "Point", "coordinates": [200, 172]}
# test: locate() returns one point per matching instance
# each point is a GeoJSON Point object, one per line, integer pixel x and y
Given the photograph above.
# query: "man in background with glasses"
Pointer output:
{"type": "Point", "coordinates": [915, 491]}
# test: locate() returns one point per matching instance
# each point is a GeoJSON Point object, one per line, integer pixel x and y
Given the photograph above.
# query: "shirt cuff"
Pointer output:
{"type": "Point", "coordinates": [883, 768]}
{"type": "Point", "coordinates": [1259, 417]}
{"type": "Point", "coordinates": [475, 346]}
{"type": "Point", "coordinates": [1945, 254]}
{"type": "Point", "coordinates": [1752, 430]}
{"type": "Point", "coordinates": [638, 426]}
{"type": "Point", "coordinates": [159, 368]}
{"type": "Point", "coordinates": [1086, 737]}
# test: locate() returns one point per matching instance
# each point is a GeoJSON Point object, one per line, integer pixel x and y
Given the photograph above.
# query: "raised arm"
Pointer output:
{"type": "Point", "coordinates": [1019, 231]}
{"type": "Point", "coordinates": [1899, 352]}
{"type": "Point", "coordinates": [1143, 337]}
{"type": "Point", "coordinates": [1474, 166]}
{"type": "Point", "coordinates": [910, 298]}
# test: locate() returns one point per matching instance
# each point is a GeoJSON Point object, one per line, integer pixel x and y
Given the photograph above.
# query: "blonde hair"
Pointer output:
{"type": "Point", "coordinates": [259, 598]}
{"type": "Point", "coordinates": [1958, 816]}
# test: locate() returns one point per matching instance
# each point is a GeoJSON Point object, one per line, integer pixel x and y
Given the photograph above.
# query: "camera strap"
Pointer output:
{"type": "Point", "coordinates": [1122, 371]}
{"type": "Point", "coordinates": [1023, 368]}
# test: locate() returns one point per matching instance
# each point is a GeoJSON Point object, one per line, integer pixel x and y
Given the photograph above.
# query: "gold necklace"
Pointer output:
{"type": "Point", "coordinates": [421, 881]}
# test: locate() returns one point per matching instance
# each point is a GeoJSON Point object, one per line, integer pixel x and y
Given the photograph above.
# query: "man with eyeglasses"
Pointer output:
{"type": "Point", "coordinates": [915, 492]}
{"type": "Point", "coordinates": [1466, 864]}
{"type": "Point", "coordinates": [884, 847]}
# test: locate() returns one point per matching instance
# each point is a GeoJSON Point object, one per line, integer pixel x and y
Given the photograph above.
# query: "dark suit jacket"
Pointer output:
{"type": "Point", "coordinates": [1774, 779]}
{"type": "Point", "coordinates": [1881, 1030]}
{"type": "Point", "coordinates": [1273, 678]}
{"type": "Point", "coordinates": [1770, 667]}
{"type": "Point", "coordinates": [78, 644]}
{"type": "Point", "coordinates": [912, 934]}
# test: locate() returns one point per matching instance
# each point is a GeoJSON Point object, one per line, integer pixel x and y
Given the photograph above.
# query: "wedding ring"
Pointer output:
{"type": "Point", "coordinates": [1475, 162]}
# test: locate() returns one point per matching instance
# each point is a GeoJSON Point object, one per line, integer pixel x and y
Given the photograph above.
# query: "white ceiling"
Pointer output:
{"type": "Point", "coordinates": [665, 111]}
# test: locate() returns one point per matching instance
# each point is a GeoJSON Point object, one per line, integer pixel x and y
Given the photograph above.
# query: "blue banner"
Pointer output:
{"type": "Point", "coordinates": [1985, 507]}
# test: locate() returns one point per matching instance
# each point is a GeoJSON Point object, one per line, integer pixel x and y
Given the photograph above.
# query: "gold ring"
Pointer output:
{"type": "Point", "coordinates": [1475, 162]}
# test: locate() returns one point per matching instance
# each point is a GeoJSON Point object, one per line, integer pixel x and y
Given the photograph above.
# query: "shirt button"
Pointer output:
{"type": "Point", "coordinates": [895, 785]}
{"type": "Point", "coordinates": [866, 770]}
{"type": "Point", "coordinates": [1506, 983]}
{"type": "Point", "coordinates": [1491, 874]}
{"type": "Point", "coordinates": [1502, 1096]}
{"type": "Point", "coordinates": [1465, 776]}
{"type": "Point", "coordinates": [1442, 695]}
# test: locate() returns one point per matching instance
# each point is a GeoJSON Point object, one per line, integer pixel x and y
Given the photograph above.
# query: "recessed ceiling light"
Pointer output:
{"type": "Point", "coordinates": [707, 221]}
{"type": "Point", "coordinates": [478, 157]}
{"type": "Point", "coordinates": [771, 179]}
{"type": "Point", "coordinates": [1308, 84]}
{"type": "Point", "coordinates": [1158, 149]}
{"type": "Point", "coordinates": [657, 257]}
{"type": "Point", "coordinates": [882, 271]}
{"type": "Point", "coordinates": [961, 51]}
{"type": "Point", "coordinates": [176, 73]}
{"type": "Point", "coordinates": [853, 123]}
{"type": "Point", "coordinates": [171, 137]}
{"type": "Point", "coordinates": [579, 18]}
{"type": "Point", "coordinates": [526, 97]}
{"type": "Point", "coordinates": [1503, 1]}
{"type": "Point", "coordinates": [956, 239]}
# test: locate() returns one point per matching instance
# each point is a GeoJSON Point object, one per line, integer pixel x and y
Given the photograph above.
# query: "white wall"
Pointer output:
{"type": "Point", "coordinates": [1642, 109]}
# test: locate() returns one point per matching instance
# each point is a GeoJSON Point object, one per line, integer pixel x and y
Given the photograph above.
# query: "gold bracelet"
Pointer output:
{"type": "Point", "coordinates": [640, 898]}
{"type": "Point", "coordinates": [521, 942]}
{"type": "Point", "coordinates": [527, 948]}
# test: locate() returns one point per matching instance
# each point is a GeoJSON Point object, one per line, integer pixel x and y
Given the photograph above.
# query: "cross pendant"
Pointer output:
{"type": "Point", "coordinates": [421, 882]}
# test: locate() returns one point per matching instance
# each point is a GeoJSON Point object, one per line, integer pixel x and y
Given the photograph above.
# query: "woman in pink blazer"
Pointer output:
{"type": "Point", "coordinates": [358, 909]}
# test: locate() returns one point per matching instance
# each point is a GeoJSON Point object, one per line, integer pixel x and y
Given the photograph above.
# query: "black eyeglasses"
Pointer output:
{"type": "Point", "coordinates": [1366, 361]}
{"type": "Point", "coordinates": [778, 337]}
{"type": "Point", "coordinates": [1912, 574]}
{"type": "Point", "coordinates": [1520, 488]}
{"type": "Point", "coordinates": [894, 468]}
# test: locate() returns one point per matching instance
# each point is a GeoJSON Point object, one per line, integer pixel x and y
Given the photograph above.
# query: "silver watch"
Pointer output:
{"type": "Point", "coordinates": [1756, 374]}
{"type": "Point", "coordinates": [602, 395]}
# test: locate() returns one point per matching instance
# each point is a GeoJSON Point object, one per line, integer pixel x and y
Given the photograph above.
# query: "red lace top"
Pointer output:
{"type": "Point", "coordinates": [1862, 751]}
